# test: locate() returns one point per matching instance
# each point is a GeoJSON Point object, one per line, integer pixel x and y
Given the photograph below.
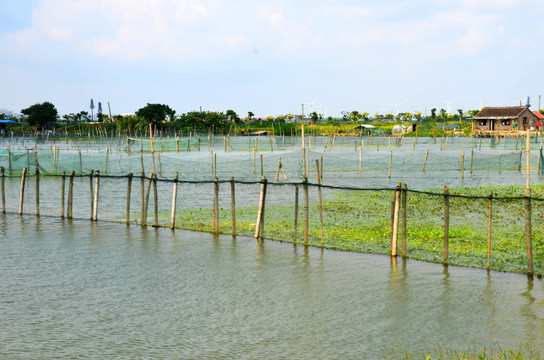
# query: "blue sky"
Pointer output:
{"type": "Point", "coordinates": [269, 57]}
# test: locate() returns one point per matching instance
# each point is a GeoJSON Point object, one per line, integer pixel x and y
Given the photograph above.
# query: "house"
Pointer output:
{"type": "Point", "coordinates": [503, 119]}
{"type": "Point", "coordinates": [540, 117]}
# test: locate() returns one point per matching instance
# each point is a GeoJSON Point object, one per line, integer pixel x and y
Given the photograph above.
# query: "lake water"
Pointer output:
{"type": "Point", "coordinates": [103, 290]}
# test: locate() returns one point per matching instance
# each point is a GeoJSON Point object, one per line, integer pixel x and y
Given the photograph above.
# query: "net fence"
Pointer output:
{"type": "Point", "coordinates": [335, 217]}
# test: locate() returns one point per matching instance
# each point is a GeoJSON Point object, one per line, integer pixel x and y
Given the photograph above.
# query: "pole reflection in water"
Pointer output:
{"type": "Point", "coordinates": [76, 288]}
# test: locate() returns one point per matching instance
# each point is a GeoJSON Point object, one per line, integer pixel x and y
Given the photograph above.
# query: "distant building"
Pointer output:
{"type": "Point", "coordinates": [505, 118]}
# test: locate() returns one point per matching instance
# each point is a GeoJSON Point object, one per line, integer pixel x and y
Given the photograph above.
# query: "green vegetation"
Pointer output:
{"type": "Point", "coordinates": [41, 115]}
{"type": "Point", "coordinates": [360, 221]}
{"type": "Point", "coordinates": [520, 353]}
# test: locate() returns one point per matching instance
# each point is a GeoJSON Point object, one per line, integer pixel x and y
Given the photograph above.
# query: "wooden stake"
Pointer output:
{"type": "Point", "coordinates": [146, 202]}
{"type": "Point", "coordinates": [528, 230]}
{"type": "Point", "coordinates": [142, 162]}
{"type": "Point", "coordinates": [37, 191]}
{"type": "Point", "coordinates": [3, 189]}
{"type": "Point", "coordinates": [446, 222]}
{"type": "Point", "coordinates": [70, 195]}
{"type": "Point", "coordinates": [106, 162]}
{"type": "Point", "coordinates": [395, 232]}
{"type": "Point", "coordinates": [306, 209]}
{"type": "Point", "coordinates": [215, 224]}
{"type": "Point", "coordinates": [152, 150]}
{"type": "Point", "coordinates": [129, 190]}
{"type": "Point", "coordinates": [462, 163]}
{"type": "Point", "coordinates": [155, 201]}
{"type": "Point", "coordinates": [489, 222]}
{"type": "Point", "coordinates": [390, 163]}
{"type": "Point", "coordinates": [472, 158]}
{"type": "Point", "coordinates": [142, 198]}
{"type": "Point", "coordinates": [262, 170]}
{"type": "Point", "coordinates": [22, 192]}
{"type": "Point", "coordinates": [259, 228]}
{"type": "Point", "coordinates": [96, 193]}
{"type": "Point", "coordinates": [425, 159]}
{"type": "Point", "coordinates": [91, 190]}
{"type": "Point", "coordinates": [80, 162]}
{"type": "Point", "coordinates": [160, 166]}
{"type": "Point", "coordinates": [296, 214]}
{"type": "Point", "coordinates": [361, 159]}
{"type": "Point", "coordinates": [233, 205]}
{"type": "Point", "coordinates": [403, 201]}
{"type": "Point", "coordinates": [174, 201]}
{"type": "Point", "coordinates": [320, 200]}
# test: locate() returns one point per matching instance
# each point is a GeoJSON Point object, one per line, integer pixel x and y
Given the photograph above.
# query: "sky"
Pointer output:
{"type": "Point", "coordinates": [271, 56]}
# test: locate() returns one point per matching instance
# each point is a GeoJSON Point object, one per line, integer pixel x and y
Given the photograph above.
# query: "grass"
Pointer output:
{"type": "Point", "coordinates": [520, 353]}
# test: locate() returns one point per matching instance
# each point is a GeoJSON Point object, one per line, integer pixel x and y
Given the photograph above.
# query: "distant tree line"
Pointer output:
{"type": "Point", "coordinates": [162, 116]}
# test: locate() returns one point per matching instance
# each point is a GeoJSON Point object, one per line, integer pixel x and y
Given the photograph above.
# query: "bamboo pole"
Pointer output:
{"type": "Point", "coordinates": [404, 203]}
{"type": "Point", "coordinates": [80, 162]}
{"type": "Point", "coordinates": [425, 159]}
{"type": "Point", "coordinates": [96, 193]}
{"type": "Point", "coordinates": [395, 232]}
{"type": "Point", "coordinates": [142, 198]}
{"type": "Point", "coordinates": [3, 189]}
{"type": "Point", "coordinates": [462, 163]}
{"type": "Point", "coordinates": [142, 162]}
{"type": "Point", "coordinates": [472, 158]}
{"type": "Point", "coordinates": [37, 191]}
{"type": "Point", "coordinates": [254, 159]}
{"type": "Point", "coordinates": [262, 170]}
{"type": "Point", "coordinates": [321, 167]}
{"type": "Point", "coordinates": [151, 139]}
{"type": "Point", "coordinates": [22, 192]}
{"type": "Point", "coordinates": [320, 200]}
{"type": "Point", "coordinates": [278, 171]}
{"type": "Point", "coordinates": [215, 224]}
{"type": "Point", "coordinates": [390, 163]}
{"type": "Point", "coordinates": [9, 160]}
{"type": "Point", "coordinates": [91, 190]}
{"type": "Point", "coordinates": [446, 222]}
{"type": "Point", "coordinates": [62, 189]}
{"type": "Point", "coordinates": [306, 209]}
{"type": "Point", "coordinates": [106, 162]}
{"type": "Point", "coordinates": [129, 190]}
{"type": "Point", "coordinates": [160, 166]}
{"type": "Point", "coordinates": [146, 202]}
{"type": "Point", "coordinates": [155, 201]}
{"type": "Point", "coordinates": [360, 159]}
{"type": "Point", "coordinates": [70, 195]}
{"type": "Point", "coordinates": [296, 214]}
{"type": "Point", "coordinates": [174, 201]}
{"type": "Point", "coordinates": [489, 222]}
{"type": "Point", "coordinates": [259, 228]}
{"type": "Point", "coordinates": [211, 162]}
{"type": "Point", "coordinates": [528, 211]}
{"type": "Point", "coordinates": [233, 205]}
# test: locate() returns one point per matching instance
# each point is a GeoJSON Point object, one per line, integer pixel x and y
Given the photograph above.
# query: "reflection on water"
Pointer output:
{"type": "Point", "coordinates": [87, 289]}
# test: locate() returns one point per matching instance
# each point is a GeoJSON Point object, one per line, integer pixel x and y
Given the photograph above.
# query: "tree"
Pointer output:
{"type": "Point", "coordinates": [443, 114]}
{"type": "Point", "coordinates": [41, 115]}
{"type": "Point", "coordinates": [155, 113]}
{"type": "Point", "coordinates": [233, 116]}
{"type": "Point", "coordinates": [250, 115]}
{"type": "Point", "coordinates": [314, 117]}
{"type": "Point", "coordinates": [354, 116]}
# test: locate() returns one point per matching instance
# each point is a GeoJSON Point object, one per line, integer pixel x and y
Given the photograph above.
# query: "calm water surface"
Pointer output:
{"type": "Point", "coordinates": [82, 290]}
